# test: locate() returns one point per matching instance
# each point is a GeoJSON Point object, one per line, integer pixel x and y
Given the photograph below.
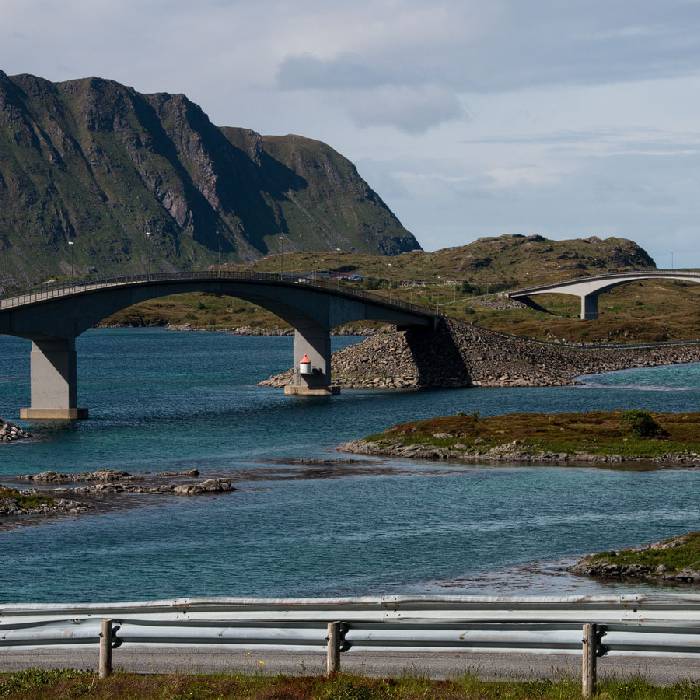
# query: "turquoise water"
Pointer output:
{"type": "Point", "coordinates": [161, 400]}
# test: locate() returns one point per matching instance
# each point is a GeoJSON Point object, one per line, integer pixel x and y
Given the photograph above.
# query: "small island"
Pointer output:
{"type": "Point", "coordinates": [635, 437]}
{"type": "Point", "coordinates": [675, 560]}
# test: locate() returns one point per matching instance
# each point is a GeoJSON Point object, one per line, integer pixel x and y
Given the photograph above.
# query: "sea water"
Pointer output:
{"type": "Point", "coordinates": [162, 400]}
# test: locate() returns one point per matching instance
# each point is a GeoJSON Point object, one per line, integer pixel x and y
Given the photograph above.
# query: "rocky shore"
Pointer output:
{"type": "Point", "coordinates": [675, 560]}
{"type": "Point", "coordinates": [458, 354]}
{"type": "Point", "coordinates": [514, 453]}
{"type": "Point", "coordinates": [98, 491]}
{"type": "Point", "coordinates": [111, 481]}
{"type": "Point", "coordinates": [11, 433]}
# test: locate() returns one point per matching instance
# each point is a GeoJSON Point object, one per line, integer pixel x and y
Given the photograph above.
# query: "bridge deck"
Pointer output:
{"type": "Point", "coordinates": [48, 292]}
{"type": "Point", "coordinates": [612, 277]}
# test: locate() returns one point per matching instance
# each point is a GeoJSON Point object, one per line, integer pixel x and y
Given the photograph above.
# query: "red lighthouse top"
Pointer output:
{"type": "Point", "coordinates": [305, 360]}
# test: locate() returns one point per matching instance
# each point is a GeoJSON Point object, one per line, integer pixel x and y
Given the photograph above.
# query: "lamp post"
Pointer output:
{"type": "Point", "coordinates": [338, 266]}
{"type": "Point", "coordinates": [70, 245]}
{"type": "Point", "coordinates": [148, 254]}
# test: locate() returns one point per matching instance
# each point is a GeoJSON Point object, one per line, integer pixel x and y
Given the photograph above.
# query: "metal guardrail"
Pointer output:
{"type": "Point", "coordinates": [46, 292]}
{"type": "Point", "coordinates": [599, 278]}
{"type": "Point", "coordinates": [665, 625]}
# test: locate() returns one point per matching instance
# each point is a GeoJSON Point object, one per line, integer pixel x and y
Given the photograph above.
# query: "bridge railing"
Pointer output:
{"type": "Point", "coordinates": [592, 626]}
{"type": "Point", "coordinates": [47, 291]}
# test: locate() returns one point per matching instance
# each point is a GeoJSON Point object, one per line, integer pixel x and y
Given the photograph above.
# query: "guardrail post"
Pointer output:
{"type": "Point", "coordinates": [333, 650]}
{"type": "Point", "coordinates": [589, 662]}
{"type": "Point", "coordinates": [106, 640]}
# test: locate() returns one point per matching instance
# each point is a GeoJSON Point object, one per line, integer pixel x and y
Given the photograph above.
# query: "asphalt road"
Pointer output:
{"type": "Point", "coordinates": [658, 670]}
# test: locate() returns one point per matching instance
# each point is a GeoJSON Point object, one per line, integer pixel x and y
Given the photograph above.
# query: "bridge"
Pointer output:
{"type": "Point", "coordinates": [589, 288]}
{"type": "Point", "coordinates": [53, 316]}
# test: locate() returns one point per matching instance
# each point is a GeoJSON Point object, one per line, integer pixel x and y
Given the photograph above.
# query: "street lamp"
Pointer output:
{"type": "Point", "coordinates": [70, 245]}
{"type": "Point", "coordinates": [148, 254]}
{"type": "Point", "coordinates": [338, 266]}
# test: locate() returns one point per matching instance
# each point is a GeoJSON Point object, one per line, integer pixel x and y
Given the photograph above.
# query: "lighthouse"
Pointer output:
{"type": "Point", "coordinates": [305, 365]}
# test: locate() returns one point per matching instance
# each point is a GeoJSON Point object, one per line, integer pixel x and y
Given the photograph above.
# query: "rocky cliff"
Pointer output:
{"type": "Point", "coordinates": [100, 164]}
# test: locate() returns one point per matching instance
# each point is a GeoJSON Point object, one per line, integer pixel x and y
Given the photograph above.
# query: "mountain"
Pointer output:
{"type": "Point", "coordinates": [100, 164]}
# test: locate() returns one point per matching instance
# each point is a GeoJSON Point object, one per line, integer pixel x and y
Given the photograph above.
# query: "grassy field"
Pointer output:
{"type": "Point", "coordinates": [58, 685]}
{"type": "Point", "coordinates": [675, 554]}
{"type": "Point", "coordinates": [633, 434]}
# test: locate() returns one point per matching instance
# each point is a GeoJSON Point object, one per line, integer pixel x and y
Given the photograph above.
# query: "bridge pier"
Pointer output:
{"type": "Point", "coordinates": [314, 341]}
{"type": "Point", "coordinates": [54, 380]}
{"type": "Point", "coordinates": [589, 307]}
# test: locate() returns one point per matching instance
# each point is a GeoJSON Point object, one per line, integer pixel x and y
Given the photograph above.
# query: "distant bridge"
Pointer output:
{"type": "Point", "coordinates": [588, 288]}
{"type": "Point", "coordinates": [52, 316]}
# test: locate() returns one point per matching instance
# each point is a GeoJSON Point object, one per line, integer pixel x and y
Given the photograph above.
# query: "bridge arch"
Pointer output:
{"type": "Point", "coordinates": [52, 318]}
{"type": "Point", "coordinates": [588, 289]}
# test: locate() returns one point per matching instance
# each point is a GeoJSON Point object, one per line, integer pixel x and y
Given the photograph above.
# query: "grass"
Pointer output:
{"type": "Point", "coordinates": [54, 685]}
{"type": "Point", "coordinates": [26, 501]}
{"type": "Point", "coordinates": [597, 433]}
{"type": "Point", "coordinates": [675, 554]}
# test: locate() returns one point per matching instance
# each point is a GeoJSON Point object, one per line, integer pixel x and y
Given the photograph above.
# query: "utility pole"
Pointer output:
{"type": "Point", "coordinates": [72, 269]}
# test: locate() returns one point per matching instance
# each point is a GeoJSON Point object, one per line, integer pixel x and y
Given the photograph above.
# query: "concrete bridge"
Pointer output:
{"type": "Point", "coordinates": [589, 288]}
{"type": "Point", "coordinates": [52, 317]}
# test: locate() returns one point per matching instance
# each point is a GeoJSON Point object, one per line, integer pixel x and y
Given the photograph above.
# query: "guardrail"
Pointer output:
{"type": "Point", "coordinates": [592, 626]}
{"type": "Point", "coordinates": [45, 292]}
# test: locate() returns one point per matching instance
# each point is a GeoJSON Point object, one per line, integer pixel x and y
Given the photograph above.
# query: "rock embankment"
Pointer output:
{"type": "Point", "coordinates": [458, 354]}
{"type": "Point", "coordinates": [676, 560]}
{"type": "Point", "coordinates": [11, 433]}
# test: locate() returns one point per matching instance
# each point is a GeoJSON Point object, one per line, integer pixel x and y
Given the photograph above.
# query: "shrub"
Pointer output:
{"type": "Point", "coordinates": [642, 424]}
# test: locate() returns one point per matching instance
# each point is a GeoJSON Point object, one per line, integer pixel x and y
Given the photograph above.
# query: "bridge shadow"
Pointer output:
{"type": "Point", "coordinates": [436, 354]}
{"type": "Point", "coordinates": [529, 302]}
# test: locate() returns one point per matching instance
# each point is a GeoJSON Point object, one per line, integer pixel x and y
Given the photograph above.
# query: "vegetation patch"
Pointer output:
{"type": "Point", "coordinates": [672, 438]}
{"type": "Point", "coordinates": [54, 685]}
{"type": "Point", "coordinates": [12, 500]}
{"type": "Point", "coordinates": [676, 559]}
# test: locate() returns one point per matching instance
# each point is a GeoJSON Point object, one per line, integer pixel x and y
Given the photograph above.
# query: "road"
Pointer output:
{"type": "Point", "coordinates": [658, 670]}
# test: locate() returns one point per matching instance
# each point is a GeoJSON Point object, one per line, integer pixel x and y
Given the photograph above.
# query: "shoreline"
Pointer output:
{"type": "Point", "coordinates": [524, 459]}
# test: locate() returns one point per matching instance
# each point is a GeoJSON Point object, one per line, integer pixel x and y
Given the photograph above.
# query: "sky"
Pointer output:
{"type": "Point", "coordinates": [470, 118]}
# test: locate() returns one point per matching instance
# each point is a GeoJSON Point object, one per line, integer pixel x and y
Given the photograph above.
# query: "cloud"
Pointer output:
{"type": "Point", "coordinates": [413, 110]}
{"type": "Point", "coordinates": [517, 45]}
{"type": "Point", "coordinates": [308, 72]}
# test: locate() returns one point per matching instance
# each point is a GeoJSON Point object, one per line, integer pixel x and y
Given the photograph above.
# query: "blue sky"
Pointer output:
{"type": "Point", "coordinates": [469, 118]}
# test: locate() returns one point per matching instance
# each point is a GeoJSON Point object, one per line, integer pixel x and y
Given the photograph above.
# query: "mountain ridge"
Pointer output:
{"type": "Point", "coordinates": [96, 162]}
